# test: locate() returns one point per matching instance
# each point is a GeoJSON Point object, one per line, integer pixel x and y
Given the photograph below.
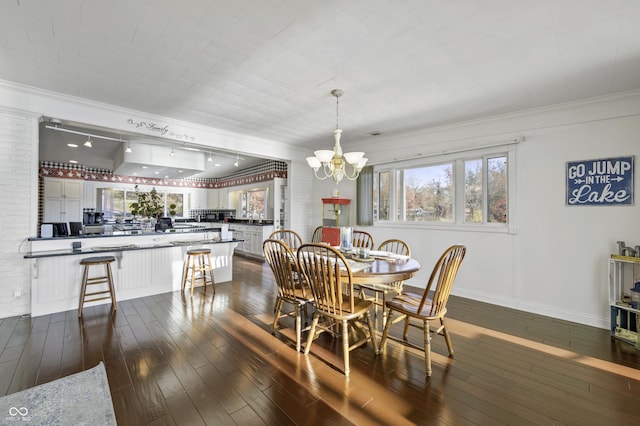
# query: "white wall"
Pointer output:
{"type": "Point", "coordinates": [555, 263]}
{"type": "Point", "coordinates": [18, 207]}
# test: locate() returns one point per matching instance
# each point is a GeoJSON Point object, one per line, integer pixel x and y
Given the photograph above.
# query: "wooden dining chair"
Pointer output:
{"type": "Point", "coordinates": [287, 236]}
{"type": "Point", "coordinates": [331, 281]}
{"type": "Point", "coordinates": [427, 307]}
{"type": "Point", "coordinates": [362, 239]}
{"type": "Point", "coordinates": [291, 287]}
{"type": "Point", "coordinates": [317, 235]}
{"type": "Point", "coordinates": [380, 291]}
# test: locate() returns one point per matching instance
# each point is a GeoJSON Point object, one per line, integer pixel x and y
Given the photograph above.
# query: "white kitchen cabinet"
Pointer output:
{"type": "Point", "coordinates": [253, 236]}
{"type": "Point", "coordinates": [218, 198]}
{"type": "Point", "coordinates": [63, 200]}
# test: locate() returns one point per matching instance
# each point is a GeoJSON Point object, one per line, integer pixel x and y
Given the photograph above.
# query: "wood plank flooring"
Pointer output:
{"type": "Point", "coordinates": [212, 360]}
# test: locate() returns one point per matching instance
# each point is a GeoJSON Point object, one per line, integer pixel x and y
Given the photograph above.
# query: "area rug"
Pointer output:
{"type": "Point", "coordinates": [79, 399]}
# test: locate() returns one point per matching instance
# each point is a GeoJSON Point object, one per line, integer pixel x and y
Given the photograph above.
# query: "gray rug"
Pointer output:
{"type": "Point", "coordinates": [79, 399]}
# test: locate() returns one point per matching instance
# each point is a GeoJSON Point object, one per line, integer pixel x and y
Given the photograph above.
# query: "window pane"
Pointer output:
{"type": "Point", "coordinates": [131, 198]}
{"type": "Point", "coordinates": [384, 197]}
{"type": "Point", "coordinates": [429, 193]}
{"type": "Point", "coordinates": [497, 189]}
{"type": "Point", "coordinates": [376, 196]}
{"type": "Point", "coordinates": [111, 202]}
{"type": "Point", "coordinates": [473, 195]}
{"type": "Point", "coordinates": [176, 199]}
{"type": "Point", "coordinates": [255, 203]}
{"type": "Point", "coordinates": [399, 196]}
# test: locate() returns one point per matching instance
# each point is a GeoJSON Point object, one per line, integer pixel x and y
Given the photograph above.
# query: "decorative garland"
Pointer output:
{"type": "Point", "coordinates": [74, 171]}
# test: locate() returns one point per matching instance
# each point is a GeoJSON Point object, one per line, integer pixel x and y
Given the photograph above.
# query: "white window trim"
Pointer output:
{"type": "Point", "coordinates": [508, 150]}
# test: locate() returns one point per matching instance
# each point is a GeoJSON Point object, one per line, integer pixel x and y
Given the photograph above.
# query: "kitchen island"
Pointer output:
{"type": "Point", "coordinates": [146, 263]}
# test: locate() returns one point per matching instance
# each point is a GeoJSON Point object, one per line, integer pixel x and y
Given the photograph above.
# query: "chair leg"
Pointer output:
{"type": "Point", "coordinates": [193, 274]}
{"type": "Point", "coordinates": [314, 323]}
{"type": "Point", "coordinates": [427, 348]}
{"type": "Point", "coordinates": [276, 312]}
{"type": "Point", "coordinates": [384, 312]}
{"type": "Point", "coordinates": [83, 289]}
{"type": "Point", "coordinates": [203, 272]}
{"type": "Point", "coordinates": [111, 290]}
{"type": "Point", "coordinates": [405, 333]}
{"type": "Point", "coordinates": [298, 327]}
{"type": "Point", "coordinates": [211, 278]}
{"type": "Point", "coordinates": [185, 271]}
{"type": "Point", "coordinates": [385, 333]}
{"type": "Point", "coordinates": [372, 332]}
{"type": "Point", "coordinates": [447, 337]}
{"type": "Point", "coordinates": [345, 346]}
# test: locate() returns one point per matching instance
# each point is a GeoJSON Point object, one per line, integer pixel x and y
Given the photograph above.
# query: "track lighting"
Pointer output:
{"type": "Point", "coordinates": [128, 150]}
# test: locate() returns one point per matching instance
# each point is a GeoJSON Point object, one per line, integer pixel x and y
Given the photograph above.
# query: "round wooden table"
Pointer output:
{"type": "Point", "coordinates": [383, 271]}
{"type": "Point", "coordinates": [379, 278]}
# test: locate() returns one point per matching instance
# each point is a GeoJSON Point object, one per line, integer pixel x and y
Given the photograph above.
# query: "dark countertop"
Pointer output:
{"type": "Point", "coordinates": [132, 232]}
{"type": "Point", "coordinates": [120, 248]}
{"type": "Point", "coordinates": [249, 222]}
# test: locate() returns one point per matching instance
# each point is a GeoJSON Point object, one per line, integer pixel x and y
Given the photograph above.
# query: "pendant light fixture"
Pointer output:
{"type": "Point", "coordinates": [88, 143]}
{"type": "Point", "coordinates": [237, 163]}
{"type": "Point", "coordinates": [128, 150]}
{"type": "Point", "coordinates": [332, 163]}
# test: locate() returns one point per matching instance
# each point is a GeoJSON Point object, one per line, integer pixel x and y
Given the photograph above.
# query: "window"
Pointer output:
{"type": "Point", "coordinates": [428, 193]}
{"type": "Point", "coordinates": [178, 200]}
{"type": "Point", "coordinates": [117, 202]}
{"type": "Point", "coordinates": [469, 190]}
{"type": "Point", "coordinates": [254, 203]}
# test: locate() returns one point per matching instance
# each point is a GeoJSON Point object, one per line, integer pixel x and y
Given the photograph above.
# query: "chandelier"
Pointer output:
{"type": "Point", "coordinates": [332, 163]}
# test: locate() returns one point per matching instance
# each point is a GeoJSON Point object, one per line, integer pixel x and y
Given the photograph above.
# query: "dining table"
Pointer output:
{"type": "Point", "coordinates": [381, 274]}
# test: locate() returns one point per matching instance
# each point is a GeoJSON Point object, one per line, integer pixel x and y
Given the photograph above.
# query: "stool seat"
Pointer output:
{"type": "Point", "coordinates": [199, 251]}
{"type": "Point", "coordinates": [97, 260]}
{"type": "Point", "coordinates": [198, 268]}
{"type": "Point", "coordinates": [107, 279]}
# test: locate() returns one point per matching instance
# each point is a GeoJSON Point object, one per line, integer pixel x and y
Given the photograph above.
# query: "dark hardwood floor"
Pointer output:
{"type": "Point", "coordinates": [212, 360]}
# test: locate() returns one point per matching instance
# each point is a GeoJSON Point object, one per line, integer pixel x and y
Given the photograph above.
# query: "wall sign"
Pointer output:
{"type": "Point", "coordinates": [603, 182]}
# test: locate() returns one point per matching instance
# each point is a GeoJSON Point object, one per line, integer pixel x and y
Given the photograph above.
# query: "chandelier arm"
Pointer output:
{"type": "Point", "coordinates": [352, 176]}
{"type": "Point", "coordinates": [326, 175]}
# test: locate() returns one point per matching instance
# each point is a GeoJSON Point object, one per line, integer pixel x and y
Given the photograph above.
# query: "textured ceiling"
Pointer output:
{"type": "Point", "coordinates": [266, 67]}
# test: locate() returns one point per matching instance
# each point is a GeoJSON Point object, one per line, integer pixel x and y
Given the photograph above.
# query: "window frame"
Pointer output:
{"type": "Point", "coordinates": [396, 171]}
{"type": "Point", "coordinates": [163, 191]}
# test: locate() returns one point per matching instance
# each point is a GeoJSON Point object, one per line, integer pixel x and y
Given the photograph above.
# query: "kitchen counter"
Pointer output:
{"type": "Point", "coordinates": [146, 264]}
{"type": "Point", "coordinates": [119, 230]}
{"type": "Point", "coordinates": [121, 247]}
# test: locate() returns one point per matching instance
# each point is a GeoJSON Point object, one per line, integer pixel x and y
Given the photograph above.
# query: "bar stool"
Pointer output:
{"type": "Point", "coordinates": [106, 279]}
{"type": "Point", "coordinates": [196, 266]}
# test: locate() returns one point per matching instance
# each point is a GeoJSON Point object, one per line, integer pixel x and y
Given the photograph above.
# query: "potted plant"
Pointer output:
{"type": "Point", "coordinates": [149, 204]}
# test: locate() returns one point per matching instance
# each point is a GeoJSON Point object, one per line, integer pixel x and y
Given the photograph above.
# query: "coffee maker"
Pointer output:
{"type": "Point", "coordinates": [91, 217]}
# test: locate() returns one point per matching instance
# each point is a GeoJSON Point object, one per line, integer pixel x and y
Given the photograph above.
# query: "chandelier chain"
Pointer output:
{"type": "Point", "coordinates": [337, 112]}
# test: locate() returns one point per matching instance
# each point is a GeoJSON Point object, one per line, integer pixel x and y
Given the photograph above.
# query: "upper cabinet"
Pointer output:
{"type": "Point", "coordinates": [63, 188]}
{"type": "Point", "coordinates": [63, 200]}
